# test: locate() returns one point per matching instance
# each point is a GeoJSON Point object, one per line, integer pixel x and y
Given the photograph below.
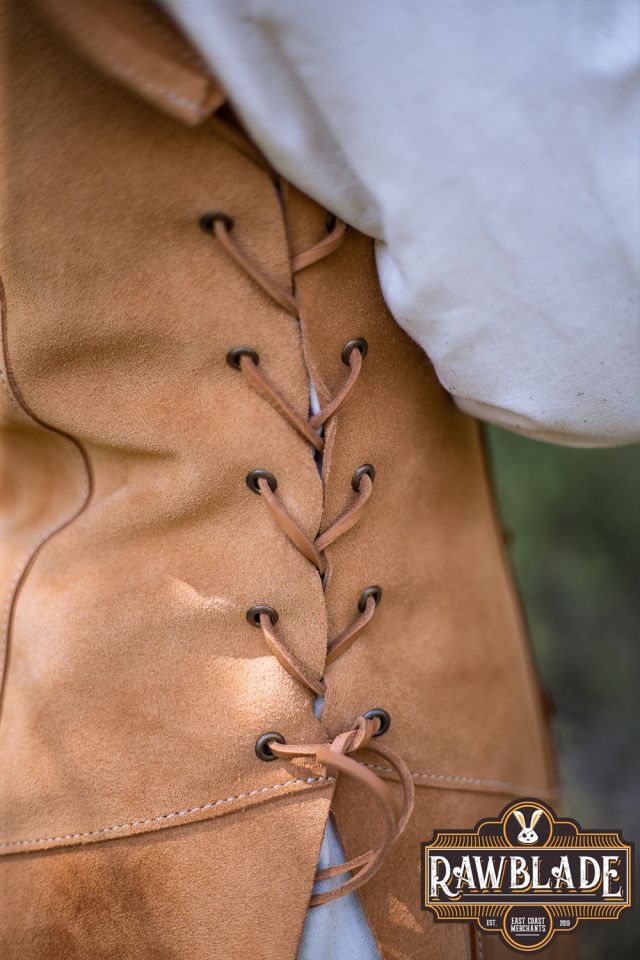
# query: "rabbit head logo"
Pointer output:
{"type": "Point", "coordinates": [526, 876]}
{"type": "Point", "coordinates": [527, 833]}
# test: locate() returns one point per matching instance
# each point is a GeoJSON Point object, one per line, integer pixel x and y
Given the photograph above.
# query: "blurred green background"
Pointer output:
{"type": "Point", "coordinates": [573, 517]}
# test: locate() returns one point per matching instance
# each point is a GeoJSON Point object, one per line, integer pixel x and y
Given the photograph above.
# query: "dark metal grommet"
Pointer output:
{"type": "Point", "coordinates": [359, 473]}
{"type": "Point", "coordinates": [330, 221]}
{"type": "Point", "coordinates": [359, 343]}
{"type": "Point", "coordinates": [253, 615]}
{"type": "Point", "coordinates": [263, 750]}
{"type": "Point", "coordinates": [375, 592]}
{"type": "Point", "coordinates": [236, 353]}
{"type": "Point", "coordinates": [383, 717]}
{"type": "Point", "coordinates": [255, 475]}
{"type": "Point", "coordinates": [208, 219]}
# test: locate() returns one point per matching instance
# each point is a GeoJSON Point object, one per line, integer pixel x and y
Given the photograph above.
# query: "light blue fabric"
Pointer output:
{"type": "Point", "coordinates": [336, 930]}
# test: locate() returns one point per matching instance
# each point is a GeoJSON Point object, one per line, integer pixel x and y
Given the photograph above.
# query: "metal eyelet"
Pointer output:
{"type": "Point", "coordinates": [255, 475]}
{"type": "Point", "coordinates": [330, 221]}
{"type": "Point", "coordinates": [359, 473]}
{"type": "Point", "coordinates": [236, 353]}
{"type": "Point", "coordinates": [383, 717]}
{"type": "Point", "coordinates": [253, 615]}
{"type": "Point", "coordinates": [375, 592]}
{"type": "Point", "coordinates": [263, 750]}
{"type": "Point", "coordinates": [359, 343]}
{"type": "Point", "coordinates": [207, 221]}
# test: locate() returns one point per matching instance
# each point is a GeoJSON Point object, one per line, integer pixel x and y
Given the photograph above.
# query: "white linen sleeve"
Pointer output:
{"type": "Point", "coordinates": [493, 151]}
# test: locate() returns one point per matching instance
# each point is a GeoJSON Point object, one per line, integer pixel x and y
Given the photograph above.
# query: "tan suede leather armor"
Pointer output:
{"type": "Point", "coordinates": [136, 820]}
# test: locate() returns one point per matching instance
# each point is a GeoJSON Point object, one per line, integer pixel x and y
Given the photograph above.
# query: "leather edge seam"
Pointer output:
{"type": "Point", "coordinates": [135, 827]}
{"type": "Point", "coordinates": [34, 548]}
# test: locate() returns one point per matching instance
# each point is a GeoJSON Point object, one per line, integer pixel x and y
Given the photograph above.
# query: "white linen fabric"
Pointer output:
{"type": "Point", "coordinates": [337, 930]}
{"type": "Point", "coordinates": [493, 151]}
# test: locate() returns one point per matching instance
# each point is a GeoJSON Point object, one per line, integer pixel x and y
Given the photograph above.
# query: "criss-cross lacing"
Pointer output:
{"type": "Point", "coordinates": [221, 226]}
{"type": "Point", "coordinates": [247, 361]}
{"type": "Point", "coordinates": [312, 549]}
{"type": "Point", "coordinates": [336, 755]}
{"type": "Point", "coordinates": [266, 617]}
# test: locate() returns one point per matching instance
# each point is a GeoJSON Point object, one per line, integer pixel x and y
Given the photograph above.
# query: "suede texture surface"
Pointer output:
{"type": "Point", "coordinates": [134, 688]}
{"type": "Point", "coordinates": [168, 895]}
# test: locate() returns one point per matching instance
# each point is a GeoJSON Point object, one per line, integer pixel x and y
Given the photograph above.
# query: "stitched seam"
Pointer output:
{"type": "Point", "coordinates": [166, 816]}
{"type": "Point", "coordinates": [150, 86]}
{"type": "Point", "coordinates": [243, 796]}
{"type": "Point", "coordinates": [517, 603]}
{"type": "Point", "coordinates": [460, 779]}
{"type": "Point", "coordinates": [168, 92]}
{"type": "Point", "coordinates": [30, 554]}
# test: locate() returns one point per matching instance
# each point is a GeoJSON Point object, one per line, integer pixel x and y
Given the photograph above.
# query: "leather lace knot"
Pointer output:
{"type": "Point", "coordinates": [337, 755]}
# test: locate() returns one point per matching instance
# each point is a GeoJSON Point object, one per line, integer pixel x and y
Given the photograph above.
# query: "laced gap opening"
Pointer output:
{"type": "Point", "coordinates": [314, 400]}
{"type": "Point", "coordinates": [318, 457]}
{"type": "Point", "coordinates": [334, 755]}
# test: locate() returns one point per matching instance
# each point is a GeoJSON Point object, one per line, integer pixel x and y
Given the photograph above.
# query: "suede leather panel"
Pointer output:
{"type": "Point", "coordinates": [136, 687]}
{"type": "Point", "coordinates": [59, 488]}
{"type": "Point", "coordinates": [445, 653]}
{"type": "Point", "coordinates": [448, 619]}
{"type": "Point", "coordinates": [135, 43]}
{"type": "Point", "coordinates": [169, 895]}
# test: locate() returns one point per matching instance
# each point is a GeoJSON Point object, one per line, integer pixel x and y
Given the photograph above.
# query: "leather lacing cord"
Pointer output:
{"type": "Point", "coordinates": [263, 482]}
{"type": "Point", "coordinates": [337, 754]}
{"type": "Point", "coordinates": [247, 361]}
